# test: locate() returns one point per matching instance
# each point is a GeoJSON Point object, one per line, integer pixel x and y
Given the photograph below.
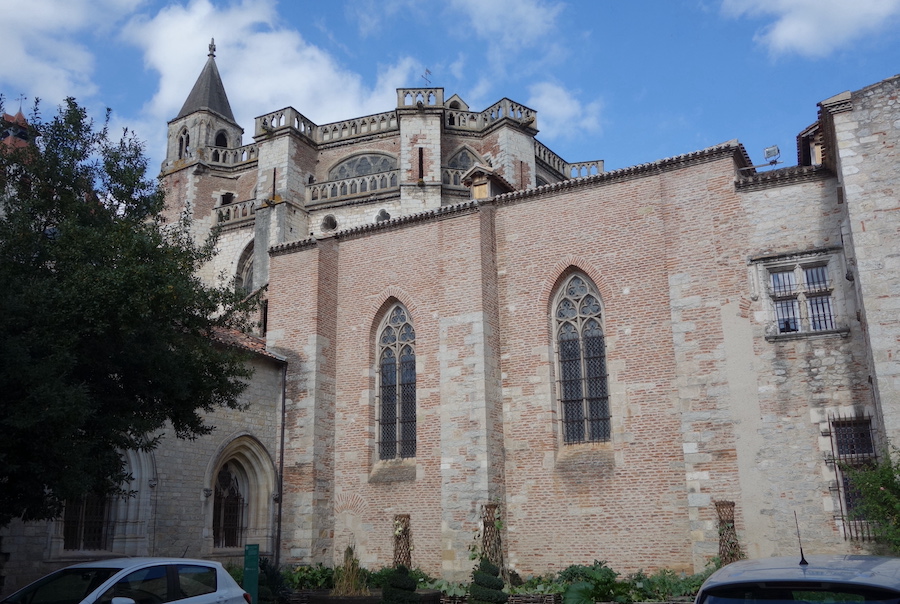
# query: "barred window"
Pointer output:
{"type": "Point", "coordinates": [397, 385]}
{"type": "Point", "coordinates": [852, 445]}
{"type": "Point", "coordinates": [581, 362]}
{"type": "Point", "coordinates": [86, 523]}
{"type": "Point", "coordinates": [228, 510]}
{"type": "Point", "coordinates": [801, 298]}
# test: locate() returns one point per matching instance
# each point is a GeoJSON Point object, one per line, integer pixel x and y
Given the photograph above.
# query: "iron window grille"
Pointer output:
{"type": "Point", "coordinates": [86, 523]}
{"type": "Point", "coordinates": [397, 386]}
{"type": "Point", "coordinates": [802, 298]}
{"type": "Point", "coordinates": [852, 445]}
{"type": "Point", "coordinates": [228, 511]}
{"type": "Point", "coordinates": [581, 363]}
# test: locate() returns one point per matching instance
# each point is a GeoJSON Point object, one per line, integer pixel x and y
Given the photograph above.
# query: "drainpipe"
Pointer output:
{"type": "Point", "coordinates": [281, 464]}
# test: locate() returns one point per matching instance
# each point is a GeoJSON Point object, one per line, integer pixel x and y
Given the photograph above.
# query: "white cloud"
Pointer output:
{"type": "Point", "coordinates": [263, 67]}
{"type": "Point", "coordinates": [41, 55]}
{"type": "Point", "coordinates": [561, 115]}
{"type": "Point", "coordinates": [815, 28]}
{"type": "Point", "coordinates": [509, 25]}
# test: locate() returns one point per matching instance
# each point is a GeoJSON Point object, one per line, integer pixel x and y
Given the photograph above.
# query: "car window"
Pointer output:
{"type": "Point", "coordinates": [145, 586]}
{"type": "Point", "coordinates": [813, 593]}
{"type": "Point", "coordinates": [68, 586]}
{"type": "Point", "coordinates": [196, 580]}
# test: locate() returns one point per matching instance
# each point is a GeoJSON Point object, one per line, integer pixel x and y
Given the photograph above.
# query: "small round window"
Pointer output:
{"type": "Point", "coordinates": [329, 223]}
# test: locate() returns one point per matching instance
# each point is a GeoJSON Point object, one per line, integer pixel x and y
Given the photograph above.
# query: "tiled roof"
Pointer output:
{"type": "Point", "coordinates": [239, 339]}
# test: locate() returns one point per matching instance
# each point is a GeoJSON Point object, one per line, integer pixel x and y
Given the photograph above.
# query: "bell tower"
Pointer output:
{"type": "Point", "coordinates": [205, 122]}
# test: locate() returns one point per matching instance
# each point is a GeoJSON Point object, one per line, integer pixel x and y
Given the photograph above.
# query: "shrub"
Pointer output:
{"type": "Point", "coordinates": [309, 577]}
{"type": "Point", "coordinates": [400, 588]}
{"type": "Point", "coordinates": [487, 586]}
{"type": "Point", "coordinates": [596, 583]}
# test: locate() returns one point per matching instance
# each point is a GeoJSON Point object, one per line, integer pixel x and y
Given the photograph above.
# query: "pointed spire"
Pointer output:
{"type": "Point", "coordinates": [208, 92]}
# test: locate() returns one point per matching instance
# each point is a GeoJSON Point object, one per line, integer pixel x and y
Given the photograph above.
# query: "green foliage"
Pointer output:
{"type": "Point", "coordinates": [105, 329]}
{"type": "Point", "coordinates": [543, 584]}
{"type": "Point", "coordinates": [877, 488]}
{"type": "Point", "coordinates": [400, 588]}
{"type": "Point", "coordinates": [272, 586]}
{"type": "Point", "coordinates": [664, 585]}
{"type": "Point", "coordinates": [309, 577]}
{"type": "Point", "coordinates": [486, 586]}
{"type": "Point", "coordinates": [236, 571]}
{"type": "Point", "coordinates": [596, 583]}
{"type": "Point", "coordinates": [378, 579]}
{"type": "Point", "coordinates": [454, 590]}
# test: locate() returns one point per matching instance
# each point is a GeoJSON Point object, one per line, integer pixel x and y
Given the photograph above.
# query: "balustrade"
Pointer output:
{"type": "Point", "coordinates": [357, 185]}
{"type": "Point", "coordinates": [234, 212]}
{"type": "Point", "coordinates": [585, 168]}
{"type": "Point", "coordinates": [221, 155]}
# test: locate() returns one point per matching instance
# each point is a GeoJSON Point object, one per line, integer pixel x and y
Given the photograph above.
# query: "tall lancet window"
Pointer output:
{"type": "Point", "coordinates": [228, 510]}
{"type": "Point", "coordinates": [581, 362]}
{"type": "Point", "coordinates": [397, 385]}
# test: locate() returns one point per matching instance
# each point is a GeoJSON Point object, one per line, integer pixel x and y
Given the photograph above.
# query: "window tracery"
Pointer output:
{"type": "Point", "coordinates": [362, 165]}
{"type": "Point", "coordinates": [397, 385]}
{"type": "Point", "coordinates": [581, 362]}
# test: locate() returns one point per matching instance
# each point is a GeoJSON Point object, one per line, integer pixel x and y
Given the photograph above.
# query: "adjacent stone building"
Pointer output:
{"type": "Point", "coordinates": [456, 317]}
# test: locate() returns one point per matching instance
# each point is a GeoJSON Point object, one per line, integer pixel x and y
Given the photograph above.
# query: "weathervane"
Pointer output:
{"type": "Point", "coordinates": [425, 76]}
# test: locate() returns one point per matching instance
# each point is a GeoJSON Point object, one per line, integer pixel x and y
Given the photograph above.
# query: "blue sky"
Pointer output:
{"type": "Point", "coordinates": [626, 81]}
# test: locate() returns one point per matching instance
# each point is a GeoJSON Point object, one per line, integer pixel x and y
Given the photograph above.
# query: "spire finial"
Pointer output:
{"type": "Point", "coordinates": [212, 48]}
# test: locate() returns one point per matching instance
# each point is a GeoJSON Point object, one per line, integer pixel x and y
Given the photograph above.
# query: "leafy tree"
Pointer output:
{"type": "Point", "coordinates": [876, 495]}
{"type": "Point", "coordinates": [105, 329]}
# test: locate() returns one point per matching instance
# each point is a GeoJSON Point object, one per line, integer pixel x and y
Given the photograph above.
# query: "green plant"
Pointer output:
{"type": "Point", "coordinates": [236, 571]}
{"type": "Point", "coordinates": [541, 584]}
{"type": "Point", "coordinates": [454, 590]}
{"type": "Point", "coordinates": [596, 583]}
{"type": "Point", "coordinates": [877, 497]}
{"type": "Point", "coordinates": [400, 588]}
{"type": "Point", "coordinates": [350, 578]}
{"type": "Point", "coordinates": [309, 577]}
{"type": "Point", "coordinates": [272, 586]}
{"type": "Point", "coordinates": [487, 586]}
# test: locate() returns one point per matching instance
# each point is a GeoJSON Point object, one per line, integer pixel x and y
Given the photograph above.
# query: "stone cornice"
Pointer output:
{"type": "Point", "coordinates": [781, 177]}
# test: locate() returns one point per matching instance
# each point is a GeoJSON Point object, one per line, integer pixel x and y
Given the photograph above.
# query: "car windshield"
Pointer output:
{"type": "Point", "coordinates": [67, 586]}
{"type": "Point", "coordinates": [810, 593]}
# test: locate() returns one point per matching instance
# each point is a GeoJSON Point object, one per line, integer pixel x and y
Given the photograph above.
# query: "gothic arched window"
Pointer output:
{"type": "Point", "coordinates": [397, 385]}
{"type": "Point", "coordinates": [184, 144]}
{"type": "Point", "coordinates": [243, 279]}
{"type": "Point", "coordinates": [581, 362]}
{"type": "Point", "coordinates": [228, 510]}
{"type": "Point", "coordinates": [362, 165]}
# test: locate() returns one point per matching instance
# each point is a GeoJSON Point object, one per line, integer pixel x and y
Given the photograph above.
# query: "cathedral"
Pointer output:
{"type": "Point", "coordinates": [459, 326]}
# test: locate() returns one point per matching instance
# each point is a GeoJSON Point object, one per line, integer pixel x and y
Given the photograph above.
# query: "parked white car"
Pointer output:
{"type": "Point", "coordinates": [135, 581]}
{"type": "Point", "coordinates": [823, 579]}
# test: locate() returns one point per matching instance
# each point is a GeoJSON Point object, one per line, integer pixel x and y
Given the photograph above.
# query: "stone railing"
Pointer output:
{"type": "Point", "coordinates": [585, 168]}
{"type": "Point", "coordinates": [349, 187]}
{"type": "Point", "coordinates": [452, 177]}
{"type": "Point", "coordinates": [293, 119]}
{"type": "Point", "coordinates": [428, 97]}
{"type": "Point", "coordinates": [285, 118]}
{"type": "Point", "coordinates": [236, 212]}
{"type": "Point", "coordinates": [467, 120]}
{"type": "Point", "coordinates": [550, 158]}
{"type": "Point", "coordinates": [361, 126]}
{"type": "Point", "coordinates": [231, 157]}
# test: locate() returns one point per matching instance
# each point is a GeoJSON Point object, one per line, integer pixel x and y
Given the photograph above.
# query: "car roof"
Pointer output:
{"type": "Point", "coordinates": [872, 571]}
{"type": "Point", "coordinates": [123, 563]}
